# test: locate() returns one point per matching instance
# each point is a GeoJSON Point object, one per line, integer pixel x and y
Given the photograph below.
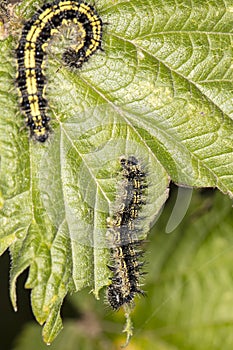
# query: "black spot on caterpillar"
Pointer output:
{"type": "Point", "coordinates": [31, 53]}
{"type": "Point", "coordinates": [125, 249]}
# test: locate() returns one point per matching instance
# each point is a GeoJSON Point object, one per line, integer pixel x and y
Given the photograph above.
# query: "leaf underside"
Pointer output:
{"type": "Point", "coordinates": [161, 90]}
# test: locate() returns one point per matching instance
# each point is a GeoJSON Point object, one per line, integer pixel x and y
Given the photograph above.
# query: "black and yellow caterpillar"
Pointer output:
{"type": "Point", "coordinates": [122, 232]}
{"type": "Point", "coordinates": [31, 53]}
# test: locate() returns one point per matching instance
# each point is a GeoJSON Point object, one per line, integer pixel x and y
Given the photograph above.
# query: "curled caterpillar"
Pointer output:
{"type": "Point", "coordinates": [31, 52]}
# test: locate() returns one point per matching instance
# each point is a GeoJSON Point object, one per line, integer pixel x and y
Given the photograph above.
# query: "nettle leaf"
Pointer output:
{"type": "Point", "coordinates": [161, 90]}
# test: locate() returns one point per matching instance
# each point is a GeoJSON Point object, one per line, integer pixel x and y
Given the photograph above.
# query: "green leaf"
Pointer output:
{"type": "Point", "coordinates": [160, 90]}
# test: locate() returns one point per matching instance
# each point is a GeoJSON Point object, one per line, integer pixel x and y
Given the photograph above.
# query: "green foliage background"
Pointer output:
{"type": "Point", "coordinates": [162, 90]}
